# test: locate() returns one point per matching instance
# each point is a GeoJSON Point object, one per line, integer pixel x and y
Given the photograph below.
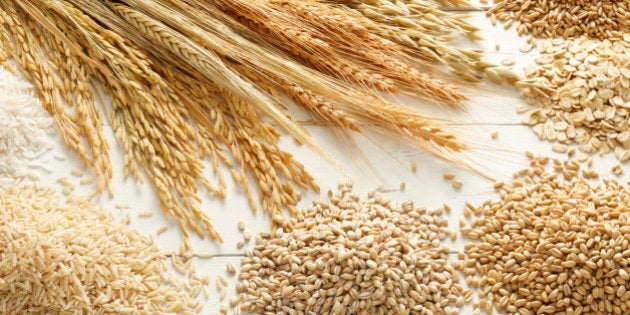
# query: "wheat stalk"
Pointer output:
{"type": "Point", "coordinates": [423, 27]}
{"type": "Point", "coordinates": [189, 80]}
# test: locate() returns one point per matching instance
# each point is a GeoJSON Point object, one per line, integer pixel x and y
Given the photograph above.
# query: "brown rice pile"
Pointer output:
{"type": "Point", "coordinates": [591, 103]}
{"type": "Point", "coordinates": [71, 258]}
{"type": "Point", "coordinates": [550, 246]}
{"type": "Point", "coordinates": [564, 18]}
{"type": "Point", "coordinates": [353, 256]}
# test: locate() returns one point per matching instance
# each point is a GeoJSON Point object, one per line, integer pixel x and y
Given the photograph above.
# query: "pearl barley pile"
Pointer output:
{"type": "Point", "coordinates": [549, 246]}
{"type": "Point", "coordinates": [353, 256]}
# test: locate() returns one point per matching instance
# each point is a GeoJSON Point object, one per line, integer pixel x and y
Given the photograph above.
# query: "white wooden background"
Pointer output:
{"type": "Point", "coordinates": [487, 112]}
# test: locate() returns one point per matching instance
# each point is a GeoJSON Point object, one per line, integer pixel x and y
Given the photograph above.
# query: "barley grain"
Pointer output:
{"type": "Point", "coordinates": [350, 255]}
{"type": "Point", "coordinates": [86, 181]}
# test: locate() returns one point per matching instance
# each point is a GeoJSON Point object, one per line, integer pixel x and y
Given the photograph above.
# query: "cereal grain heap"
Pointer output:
{"type": "Point", "coordinates": [549, 246]}
{"type": "Point", "coordinates": [70, 258]}
{"type": "Point", "coordinates": [353, 256]}
{"type": "Point", "coordinates": [564, 18]}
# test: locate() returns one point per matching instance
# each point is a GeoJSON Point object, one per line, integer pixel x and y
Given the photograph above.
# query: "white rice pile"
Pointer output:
{"type": "Point", "coordinates": [71, 258]}
{"type": "Point", "coordinates": [25, 126]}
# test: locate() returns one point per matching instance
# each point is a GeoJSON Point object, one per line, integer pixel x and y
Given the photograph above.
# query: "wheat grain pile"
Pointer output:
{"type": "Point", "coordinates": [354, 256]}
{"type": "Point", "coordinates": [25, 127]}
{"type": "Point", "coordinates": [565, 18]}
{"type": "Point", "coordinates": [591, 102]}
{"type": "Point", "coordinates": [551, 246]}
{"type": "Point", "coordinates": [61, 257]}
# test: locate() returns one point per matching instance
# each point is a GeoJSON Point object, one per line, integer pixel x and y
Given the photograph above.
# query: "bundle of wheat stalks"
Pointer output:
{"type": "Point", "coordinates": [189, 79]}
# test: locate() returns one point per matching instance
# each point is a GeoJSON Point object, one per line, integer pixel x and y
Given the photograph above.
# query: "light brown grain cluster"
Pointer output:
{"type": "Point", "coordinates": [567, 18]}
{"type": "Point", "coordinates": [591, 102]}
{"type": "Point", "coordinates": [551, 246]}
{"type": "Point", "coordinates": [354, 256]}
{"type": "Point", "coordinates": [60, 257]}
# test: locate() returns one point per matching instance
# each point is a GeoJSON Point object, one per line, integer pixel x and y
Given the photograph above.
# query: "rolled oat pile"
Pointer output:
{"type": "Point", "coordinates": [564, 18]}
{"type": "Point", "coordinates": [71, 258]}
{"type": "Point", "coordinates": [591, 104]}
{"type": "Point", "coordinates": [354, 256]}
{"type": "Point", "coordinates": [550, 246]}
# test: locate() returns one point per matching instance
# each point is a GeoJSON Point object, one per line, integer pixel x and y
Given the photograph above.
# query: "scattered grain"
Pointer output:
{"type": "Point", "coordinates": [145, 214]}
{"type": "Point", "coordinates": [525, 48]}
{"type": "Point", "coordinates": [230, 269]}
{"type": "Point", "coordinates": [617, 170]}
{"type": "Point", "coordinates": [449, 176]}
{"type": "Point", "coordinates": [86, 181]}
{"type": "Point", "coordinates": [247, 236]}
{"type": "Point", "coordinates": [76, 172]}
{"type": "Point", "coordinates": [234, 301]}
{"type": "Point", "coordinates": [240, 244]}
{"type": "Point", "coordinates": [222, 280]}
{"type": "Point", "coordinates": [509, 61]}
{"type": "Point", "coordinates": [446, 207]}
{"type": "Point", "coordinates": [161, 229]}
{"type": "Point", "coordinates": [32, 176]}
{"type": "Point", "coordinates": [122, 206]}
{"type": "Point", "coordinates": [457, 184]}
